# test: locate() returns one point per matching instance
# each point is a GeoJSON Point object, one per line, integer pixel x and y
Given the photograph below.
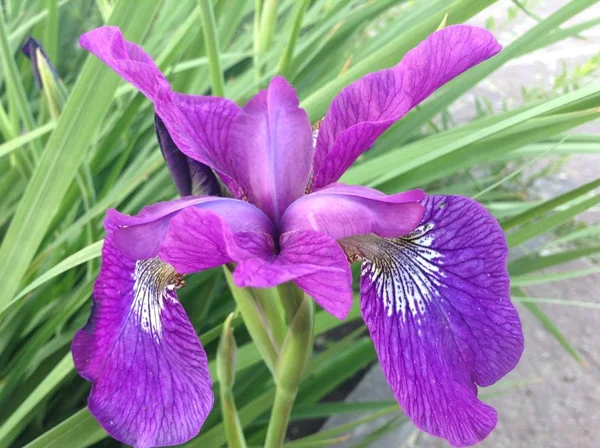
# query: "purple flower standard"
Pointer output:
{"type": "Point", "coordinates": [434, 285]}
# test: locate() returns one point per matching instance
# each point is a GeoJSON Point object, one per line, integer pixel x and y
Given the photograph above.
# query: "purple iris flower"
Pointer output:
{"type": "Point", "coordinates": [434, 284]}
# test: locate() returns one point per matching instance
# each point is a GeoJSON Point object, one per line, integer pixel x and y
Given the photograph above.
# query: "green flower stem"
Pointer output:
{"type": "Point", "coordinates": [211, 42]}
{"type": "Point", "coordinates": [291, 298]}
{"type": "Point", "coordinates": [271, 307]}
{"type": "Point", "coordinates": [226, 360]}
{"type": "Point", "coordinates": [295, 352]}
{"type": "Point", "coordinates": [255, 321]}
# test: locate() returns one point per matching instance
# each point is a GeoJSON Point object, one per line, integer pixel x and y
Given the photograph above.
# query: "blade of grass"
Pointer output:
{"type": "Point", "coordinates": [211, 43]}
{"type": "Point", "coordinates": [18, 142]}
{"type": "Point", "coordinates": [288, 52]}
{"type": "Point", "coordinates": [544, 225]}
{"type": "Point", "coordinates": [529, 280]}
{"type": "Point", "coordinates": [64, 152]}
{"type": "Point", "coordinates": [549, 205]}
{"type": "Point", "coordinates": [454, 89]}
{"type": "Point", "coordinates": [78, 431]}
{"type": "Point", "coordinates": [17, 421]}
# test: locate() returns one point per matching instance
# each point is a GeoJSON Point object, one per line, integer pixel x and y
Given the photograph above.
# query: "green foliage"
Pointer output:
{"type": "Point", "coordinates": [60, 175]}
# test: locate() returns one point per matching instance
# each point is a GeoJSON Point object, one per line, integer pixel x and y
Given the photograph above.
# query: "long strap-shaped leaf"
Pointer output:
{"type": "Point", "coordinates": [66, 149]}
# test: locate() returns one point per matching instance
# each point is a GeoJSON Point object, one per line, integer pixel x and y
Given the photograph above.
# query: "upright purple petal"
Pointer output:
{"type": "Point", "coordinates": [438, 308]}
{"type": "Point", "coordinates": [190, 177]}
{"type": "Point", "coordinates": [141, 236]}
{"type": "Point", "coordinates": [271, 149]}
{"type": "Point", "coordinates": [313, 260]}
{"type": "Point", "coordinates": [366, 108]}
{"type": "Point", "coordinates": [345, 210]}
{"type": "Point", "coordinates": [198, 125]}
{"type": "Point", "coordinates": [149, 373]}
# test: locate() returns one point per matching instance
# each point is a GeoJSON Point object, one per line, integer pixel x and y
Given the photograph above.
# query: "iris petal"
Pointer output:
{"type": "Point", "coordinates": [271, 148]}
{"type": "Point", "coordinates": [438, 309]}
{"type": "Point", "coordinates": [366, 108]}
{"type": "Point", "coordinates": [141, 236]}
{"type": "Point", "coordinates": [200, 239]}
{"type": "Point", "coordinates": [313, 260]}
{"type": "Point", "coordinates": [344, 210]}
{"type": "Point", "coordinates": [198, 125]}
{"type": "Point", "coordinates": [149, 372]}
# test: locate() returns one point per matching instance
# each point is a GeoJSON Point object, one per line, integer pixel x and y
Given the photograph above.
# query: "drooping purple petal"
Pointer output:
{"type": "Point", "coordinates": [141, 236]}
{"type": "Point", "coordinates": [190, 177]}
{"type": "Point", "coordinates": [344, 210]}
{"type": "Point", "coordinates": [198, 125]}
{"type": "Point", "coordinates": [438, 308]}
{"type": "Point", "coordinates": [271, 148]}
{"type": "Point", "coordinates": [149, 373]}
{"type": "Point", "coordinates": [366, 108]}
{"type": "Point", "coordinates": [313, 260]}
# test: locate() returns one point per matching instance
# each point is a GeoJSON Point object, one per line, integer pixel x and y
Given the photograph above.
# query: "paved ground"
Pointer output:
{"type": "Point", "coordinates": [560, 406]}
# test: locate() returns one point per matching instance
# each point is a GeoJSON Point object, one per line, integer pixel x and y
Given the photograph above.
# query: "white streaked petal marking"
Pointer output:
{"type": "Point", "coordinates": [155, 281]}
{"type": "Point", "coordinates": [406, 273]}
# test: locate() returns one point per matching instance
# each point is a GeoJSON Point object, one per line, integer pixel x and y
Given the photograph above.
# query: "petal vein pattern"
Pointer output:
{"type": "Point", "coordinates": [150, 380]}
{"type": "Point", "coordinates": [368, 107]}
{"type": "Point", "coordinates": [438, 309]}
{"type": "Point", "coordinates": [408, 278]}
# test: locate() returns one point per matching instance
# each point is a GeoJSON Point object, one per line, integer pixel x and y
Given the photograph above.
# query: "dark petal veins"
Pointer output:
{"type": "Point", "coordinates": [142, 236]}
{"type": "Point", "coordinates": [198, 125]}
{"type": "Point", "coordinates": [369, 106]}
{"type": "Point", "coordinates": [149, 373]}
{"type": "Point", "coordinates": [190, 177]}
{"type": "Point", "coordinates": [437, 305]}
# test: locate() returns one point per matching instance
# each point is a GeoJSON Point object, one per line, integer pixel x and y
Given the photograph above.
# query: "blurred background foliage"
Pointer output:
{"type": "Point", "coordinates": [63, 162]}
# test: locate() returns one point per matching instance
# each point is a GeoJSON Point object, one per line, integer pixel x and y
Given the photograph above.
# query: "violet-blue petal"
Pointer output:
{"type": "Point", "coordinates": [200, 238]}
{"type": "Point", "coordinates": [270, 144]}
{"type": "Point", "coordinates": [313, 260]}
{"type": "Point", "coordinates": [190, 177]}
{"type": "Point", "coordinates": [149, 372]}
{"type": "Point", "coordinates": [142, 235]}
{"type": "Point", "coordinates": [437, 305]}
{"type": "Point", "coordinates": [366, 108]}
{"type": "Point", "coordinates": [344, 210]}
{"type": "Point", "coordinates": [198, 125]}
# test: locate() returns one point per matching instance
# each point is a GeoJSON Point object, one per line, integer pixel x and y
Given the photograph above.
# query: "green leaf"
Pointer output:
{"type": "Point", "coordinates": [87, 253]}
{"type": "Point", "coordinates": [22, 140]}
{"type": "Point", "coordinates": [17, 421]}
{"type": "Point", "coordinates": [78, 431]}
{"type": "Point", "coordinates": [64, 152]}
